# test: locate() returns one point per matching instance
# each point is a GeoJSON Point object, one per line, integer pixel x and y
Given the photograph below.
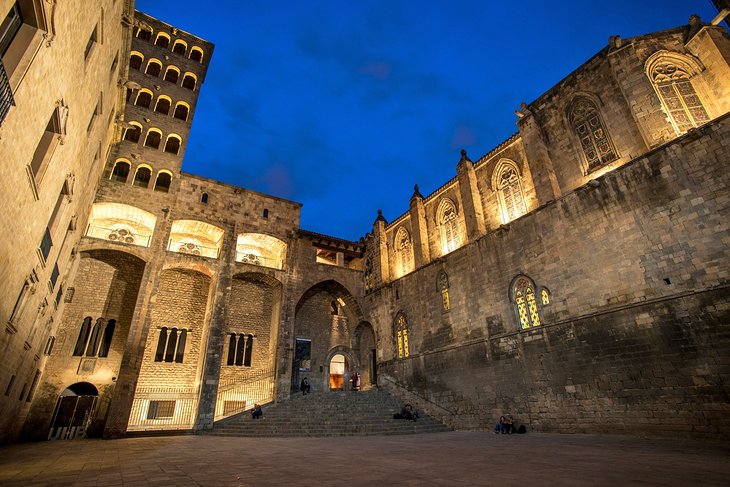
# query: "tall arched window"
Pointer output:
{"type": "Point", "coordinates": [144, 98]}
{"type": "Point", "coordinates": [120, 171]}
{"type": "Point", "coordinates": [671, 74]}
{"type": "Point", "coordinates": [153, 68]}
{"type": "Point", "coordinates": [595, 141]}
{"type": "Point", "coordinates": [142, 176]}
{"type": "Point", "coordinates": [181, 111]}
{"type": "Point", "coordinates": [163, 105]}
{"type": "Point", "coordinates": [172, 74]}
{"type": "Point", "coordinates": [508, 183]}
{"type": "Point", "coordinates": [443, 286]}
{"type": "Point", "coordinates": [153, 139]}
{"type": "Point", "coordinates": [401, 336]}
{"type": "Point", "coordinates": [133, 132]}
{"type": "Point", "coordinates": [189, 81]}
{"type": "Point", "coordinates": [172, 145]}
{"type": "Point", "coordinates": [135, 60]}
{"type": "Point", "coordinates": [163, 181]}
{"type": "Point", "coordinates": [448, 226]}
{"type": "Point", "coordinates": [523, 297]}
{"type": "Point", "coordinates": [403, 252]}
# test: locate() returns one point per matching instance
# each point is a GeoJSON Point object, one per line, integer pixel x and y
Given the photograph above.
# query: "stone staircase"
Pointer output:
{"type": "Point", "coordinates": [335, 413]}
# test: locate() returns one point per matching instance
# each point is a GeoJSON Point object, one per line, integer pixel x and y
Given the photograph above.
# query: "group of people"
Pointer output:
{"type": "Point", "coordinates": [506, 426]}
{"type": "Point", "coordinates": [407, 412]}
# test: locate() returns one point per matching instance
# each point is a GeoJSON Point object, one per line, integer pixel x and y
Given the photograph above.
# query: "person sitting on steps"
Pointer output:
{"type": "Point", "coordinates": [409, 413]}
{"type": "Point", "coordinates": [257, 412]}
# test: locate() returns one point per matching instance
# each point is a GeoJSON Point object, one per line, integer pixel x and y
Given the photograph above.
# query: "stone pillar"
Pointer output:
{"type": "Point", "coordinates": [340, 258]}
{"type": "Point", "coordinates": [117, 418]}
{"type": "Point", "coordinates": [538, 157]}
{"type": "Point", "coordinates": [421, 254]}
{"type": "Point", "coordinates": [216, 329]}
{"type": "Point", "coordinates": [470, 200]}
{"type": "Point", "coordinates": [381, 261]}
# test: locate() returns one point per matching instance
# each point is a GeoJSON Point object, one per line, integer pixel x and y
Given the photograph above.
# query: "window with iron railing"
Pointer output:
{"type": "Point", "coordinates": [6, 94]}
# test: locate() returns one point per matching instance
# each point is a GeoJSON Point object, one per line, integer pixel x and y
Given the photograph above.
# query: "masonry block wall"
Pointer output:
{"type": "Point", "coordinates": [635, 336]}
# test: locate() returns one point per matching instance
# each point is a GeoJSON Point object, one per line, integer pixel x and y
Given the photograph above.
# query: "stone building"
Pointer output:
{"type": "Point", "coordinates": [576, 275]}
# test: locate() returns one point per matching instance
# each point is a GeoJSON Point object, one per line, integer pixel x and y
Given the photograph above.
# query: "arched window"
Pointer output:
{"type": "Point", "coordinates": [595, 141]}
{"type": "Point", "coordinates": [265, 214]}
{"type": "Point", "coordinates": [196, 54]}
{"type": "Point", "coordinates": [83, 337]}
{"type": "Point", "coordinates": [142, 176]}
{"type": "Point", "coordinates": [144, 34]}
{"type": "Point", "coordinates": [94, 340]}
{"type": "Point", "coordinates": [544, 296]}
{"type": "Point", "coordinates": [240, 347]}
{"type": "Point", "coordinates": [448, 227]}
{"type": "Point", "coordinates": [135, 60]}
{"type": "Point", "coordinates": [189, 81]}
{"type": "Point", "coordinates": [163, 181]}
{"type": "Point", "coordinates": [171, 345]}
{"type": "Point", "coordinates": [181, 111]}
{"type": "Point", "coordinates": [509, 190]}
{"type": "Point", "coordinates": [179, 47]}
{"type": "Point", "coordinates": [153, 139]}
{"type": "Point", "coordinates": [204, 198]}
{"type": "Point", "coordinates": [154, 67]}
{"type": "Point", "coordinates": [106, 341]}
{"type": "Point", "coordinates": [672, 74]}
{"type": "Point", "coordinates": [162, 40]}
{"type": "Point", "coordinates": [172, 145]}
{"type": "Point", "coordinates": [163, 105]}
{"type": "Point", "coordinates": [120, 171]}
{"type": "Point", "coordinates": [404, 252]}
{"type": "Point", "coordinates": [401, 334]}
{"type": "Point", "coordinates": [443, 286]}
{"type": "Point", "coordinates": [144, 98]}
{"type": "Point", "coordinates": [523, 298]}
{"type": "Point", "coordinates": [172, 74]}
{"type": "Point", "coordinates": [133, 132]}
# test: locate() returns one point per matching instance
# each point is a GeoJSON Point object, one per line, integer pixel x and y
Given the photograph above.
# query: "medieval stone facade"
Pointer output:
{"type": "Point", "coordinates": [576, 275]}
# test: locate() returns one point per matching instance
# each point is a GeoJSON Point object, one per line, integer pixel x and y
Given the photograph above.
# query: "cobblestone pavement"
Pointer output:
{"type": "Point", "coordinates": [458, 459]}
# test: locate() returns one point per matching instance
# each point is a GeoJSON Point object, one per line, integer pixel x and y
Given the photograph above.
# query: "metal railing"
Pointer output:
{"type": "Point", "coordinates": [236, 396]}
{"type": "Point", "coordinates": [249, 258]}
{"type": "Point", "coordinates": [183, 412]}
{"type": "Point", "coordinates": [6, 93]}
{"type": "Point", "coordinates": [118, 235]}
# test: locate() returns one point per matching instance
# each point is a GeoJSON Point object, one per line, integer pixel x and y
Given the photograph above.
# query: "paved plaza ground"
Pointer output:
{"type": "Point", "coordinates": [453, 459]}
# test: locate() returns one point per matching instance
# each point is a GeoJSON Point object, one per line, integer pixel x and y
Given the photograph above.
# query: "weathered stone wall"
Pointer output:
{"type": "Point", "coordinates": [636, 330]}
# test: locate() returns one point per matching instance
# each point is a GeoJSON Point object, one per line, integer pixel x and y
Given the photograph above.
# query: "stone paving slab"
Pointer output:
{"type": "Point", "coordinates": [440, 459]}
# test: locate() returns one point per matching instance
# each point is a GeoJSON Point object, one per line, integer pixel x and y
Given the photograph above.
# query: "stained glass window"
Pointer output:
{"type": "Point", "coordinates": [512, 201]}
{"type": "Point", "coordinates": [449, 227]}
{"type": "Point", "coordinates": [678, 96]}
{"type": "Point", "coordinates": [402, 336]}
{"type": "Point", "coordinates": [545, 297]}
{"type": "Point", "coordinates": [524, 299]}
{"type": "Point", "coordinates": [595, 141]}
{"type": "Point", "coordinates": [444, 289]}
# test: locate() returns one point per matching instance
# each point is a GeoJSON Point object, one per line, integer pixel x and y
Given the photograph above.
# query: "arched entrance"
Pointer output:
{"type": "Point", "coordinates": [363, 347]}
{"type": "Point", "coordinates": [338, 370]}
{"type": "Point", "coordinates": [74, 412]}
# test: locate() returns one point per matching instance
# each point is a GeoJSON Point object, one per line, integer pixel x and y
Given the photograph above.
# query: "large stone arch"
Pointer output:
{"type": "Point", "coordinates": [247, 371]}
{"type": "Point", "coordinates": [325, 319]}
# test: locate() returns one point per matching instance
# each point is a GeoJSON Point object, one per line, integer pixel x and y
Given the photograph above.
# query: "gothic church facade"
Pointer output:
{"type": "Point", "coordinates": [576, 275]}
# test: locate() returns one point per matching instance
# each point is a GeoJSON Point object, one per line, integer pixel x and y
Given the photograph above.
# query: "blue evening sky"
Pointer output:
{"type": "Point", "coordinates": [344, 106]}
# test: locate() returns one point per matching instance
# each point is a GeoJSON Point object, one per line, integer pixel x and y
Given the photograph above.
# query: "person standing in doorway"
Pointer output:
{"type": "Point", "coordinates": [305, 387]}
{"type": "Point", "coordinates": [355, 381]}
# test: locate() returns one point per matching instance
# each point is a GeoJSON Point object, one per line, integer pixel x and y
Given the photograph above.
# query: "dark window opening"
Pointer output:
{"type": "Point", "coordinates": [133, 134]}
{"type": "Point", "coordinates": [266, 213]}
{"type": "Point", "coordinates": [240, 349]}
{"type": "Point", "coordinates": [204, 198]}
{"type": "Point", "coordinates": [144, 99]}
{"type": "Point", "coordinates": [171, 345]}
{"type": "Point", "coordinates": [153, 69]}
{"type": "Point", "coordinates": [179, 48]}
{"type": "Point", "coordinates": [163, 182]}
{"type": "Point", "coordinates": [93, 39]}
{"type": "Point", "coordinates": [135, 61]}
{"type": "Point", "coordinates": [144, 34]}
{"type": "Point", "coordinates": [171, 75]}
{"type": "Point", "coordinates": [172, 145]}
{"type": "Point", "coordinates": [9, 28]}
{"type": "Point", "coordinates": [161, 410]}
{"type": "Point", "coordinates": [163, 106]}
{"type": "Point", "coordinates": [196, 55]}
{"type": "Point", "coordinates": [120, 172]}
{"type": "Point", "coordinates": [153, 139]}
{"type": "Point", "coordinates": [142, 177]}
{"type": "Point", "coordinates": [162, 41]}
{"type": "Point", "coordinates": [181, 112]}
{"type": "Point", "coordinates": [188, 82]}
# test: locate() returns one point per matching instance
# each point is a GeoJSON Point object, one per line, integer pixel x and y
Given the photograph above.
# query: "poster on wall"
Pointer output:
{"type": "Point", "coordinates": [303, 354]}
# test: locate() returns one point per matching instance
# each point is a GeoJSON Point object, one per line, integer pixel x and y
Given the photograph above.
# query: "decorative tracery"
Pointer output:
{"type": "Point", "coordinates": [595, 141]}
{"type": "Point", "coordinates": [509, 188]}
{"type": "Point", "coordinates": [678, 96]}
{"type": "Point", "coordinates": [443, 284]}
{"type": "Point", "coordinates": [449, 227]}
{"type": "Point", "coordinates": [401, 333]}
{"type": "Point", "coordinates": [404, 251]}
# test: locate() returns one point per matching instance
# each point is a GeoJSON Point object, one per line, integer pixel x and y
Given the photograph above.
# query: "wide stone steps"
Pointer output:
{"type": "Point", "coordinates": [329, 414]}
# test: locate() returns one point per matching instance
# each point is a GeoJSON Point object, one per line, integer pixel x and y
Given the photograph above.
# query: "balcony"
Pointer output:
{"type": "Point", "coordinates": [6, 93]}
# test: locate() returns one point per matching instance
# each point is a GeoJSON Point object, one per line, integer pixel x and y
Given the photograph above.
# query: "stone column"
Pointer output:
{"type": "Point", "coordinates": [470, 200]}
{"type": "Point", "coordinates": [421, 254]}
{"type": "Point", "coordinates": [538, 157]}
{"type": "Point", "coordinates": [216, 329]}
{"type": "Point", "coordinates": [381, 261]}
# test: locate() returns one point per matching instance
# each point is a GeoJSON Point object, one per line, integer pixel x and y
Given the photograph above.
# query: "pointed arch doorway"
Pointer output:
{"type": "Point", "coordinates": [338, 367]}
{"type": "Point", "coordinates": [74, 411]}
